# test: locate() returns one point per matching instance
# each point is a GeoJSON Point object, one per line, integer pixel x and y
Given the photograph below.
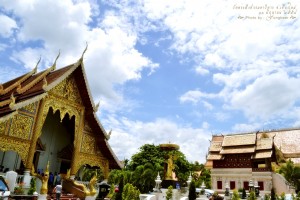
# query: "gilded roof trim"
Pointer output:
{"type": "Point", "coordinates": [5, 102]}
{"type": "Point", "coordinates": [29, 101]}
{"type": "Point", "coordinates": [87, 85]}
{"type": "Point", "coordinates": [21, 90]}
{"type": "Point", "coordinates": [48, 87]}
{"type": "Point", "coordinates": [9, 116]}
{"type": "Point", "coordinates": [17, 83]}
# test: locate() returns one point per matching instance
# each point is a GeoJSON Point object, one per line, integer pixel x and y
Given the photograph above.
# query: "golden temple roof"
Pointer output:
{"type": "Point", "coordinates": [32, 87]}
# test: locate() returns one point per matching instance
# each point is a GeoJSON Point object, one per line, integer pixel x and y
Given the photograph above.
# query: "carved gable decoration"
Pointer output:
{"type": "Point", "coordinates": [68, 90]}
{"type": "Point", "coordinates": [21, 126]}
{"type": "Point", "coordinates": [88, 144]}
{"type": "Point", "coordinates": [2, 127]}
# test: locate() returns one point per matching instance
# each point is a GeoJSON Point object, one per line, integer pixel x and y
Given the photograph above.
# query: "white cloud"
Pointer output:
{"type": "Point", "coordinates": [7, 26]}
{"type": "Point", "coordinates": [134, 134]}
{"type": "Point", "coordinates": [195, 96]}
{"type": "Point", "coordinates": [111, 50]}
{"type": "Point", "coordinates": [201, 71]}
{"type": "Point", "coordinates": [268, 96]}
{"type": "Point", "coordinates": [243, 128]}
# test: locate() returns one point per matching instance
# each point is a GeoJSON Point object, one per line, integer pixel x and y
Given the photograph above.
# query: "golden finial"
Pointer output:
{"type": "Point", "coordinates": [54, 64]}
{"type": "Point", "coordinates": [34, 70]}
{"type": "Point", "coordinates": [45, 83]}
{"type": "Point", "coordinates": [84, 52]}
{"type": "Point", "coordinates": [13, 100]}
{"type": "Point", "coordinates": [97, 106]}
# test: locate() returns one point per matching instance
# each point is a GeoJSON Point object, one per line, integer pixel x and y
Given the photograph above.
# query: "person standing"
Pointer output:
{"type": "Point", "coordinates": [58, 191]}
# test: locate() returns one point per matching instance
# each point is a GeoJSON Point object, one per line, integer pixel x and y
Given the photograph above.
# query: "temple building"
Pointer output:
{"type": "Point", "coordinates": [239, 160]}
{"type": "Point", "coordinates": [50, 116]}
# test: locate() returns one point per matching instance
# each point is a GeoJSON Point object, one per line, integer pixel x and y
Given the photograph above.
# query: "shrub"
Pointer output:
{"type": "Point", "coordinates": [244, 195]}
{"type": "Point", "coordinates": [32, 188]}
{"type": "Point", "coordinates": [235, 195]}
{"type": "Point", "coordinates": [130, 192]}
{"type": "Point", "coordinates": [267, 197]}
{"type": "Point", "coordinates": [273, 196]}
{"type": "Point", "coordinates": [192, 191]}
{"type": "Point", "coordinates": [169, 192]}
{"type": "Point", "coordinates": [282, 196]}
{"type": "Point", "coordinates": [252, 196]}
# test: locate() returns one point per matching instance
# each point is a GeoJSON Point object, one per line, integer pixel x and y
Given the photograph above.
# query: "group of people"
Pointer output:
{"type": "Point", "coordinates": [54, 183]}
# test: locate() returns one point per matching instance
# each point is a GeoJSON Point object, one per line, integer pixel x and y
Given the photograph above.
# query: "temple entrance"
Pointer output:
{"type": "Point", "coordinates": [55, 143]}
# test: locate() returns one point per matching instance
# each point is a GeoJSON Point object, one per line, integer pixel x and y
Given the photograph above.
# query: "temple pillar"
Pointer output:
{"type": "Point", "coordinates": [39, 120]}
{"type": "Point", "coordinates": [79, 126]}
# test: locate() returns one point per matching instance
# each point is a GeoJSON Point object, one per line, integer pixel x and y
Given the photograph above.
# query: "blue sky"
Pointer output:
{"type": "Point", "coordinates": [167, 71]}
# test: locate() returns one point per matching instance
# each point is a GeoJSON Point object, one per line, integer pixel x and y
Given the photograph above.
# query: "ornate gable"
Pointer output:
{"type": "Point", "coordinates": [68, 90]}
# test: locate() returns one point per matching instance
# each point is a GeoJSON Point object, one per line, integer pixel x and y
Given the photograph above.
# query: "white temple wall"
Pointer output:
{"type": "Point", "coordinates": [10, 160]}
{"type": "Point", "coordinates": [239, 176]}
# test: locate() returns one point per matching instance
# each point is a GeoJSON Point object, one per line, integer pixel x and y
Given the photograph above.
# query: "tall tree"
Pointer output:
{"type": "Point", "coordinates": [291, 173]}
{"type": "Point", "coordinates": [192, 191]}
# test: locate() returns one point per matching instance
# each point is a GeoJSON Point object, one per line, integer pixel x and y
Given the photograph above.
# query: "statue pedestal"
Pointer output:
{"type": "Point", "coordinates": [90, 197]}
{"type": "Point", "coordinates": [166, 183]}
{"type": "Point", "coordinates": [42, 197]}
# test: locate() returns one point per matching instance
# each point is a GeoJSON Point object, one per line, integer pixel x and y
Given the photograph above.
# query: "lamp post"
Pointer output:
{"type": "Point", "coordinates": [256, 188]}
{"type": "Point", "coordinates": [251, 186]}
{"type": "Point", "coordinates": [226, 189]}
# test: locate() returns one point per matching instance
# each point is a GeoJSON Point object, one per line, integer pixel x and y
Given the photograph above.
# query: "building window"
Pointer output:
{"type": "Point", "coordinates": [232, 185]}
{"type": "Point", "coordinates": [246, 185]}
{"type": "Point", "coordinates": [261, 185]}
{"type": "Point", "coordinates": [219, 185]}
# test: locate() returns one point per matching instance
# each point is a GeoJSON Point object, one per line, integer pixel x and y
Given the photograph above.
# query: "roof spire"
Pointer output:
{"type": "Point", "coordinates": [34, 70]}
{"type": "Point", "coordinates": [54, 64]}
{"type": "Point", "coordinates": [81, 58]}
{"type": "Point", "coordinates": [97, 106]}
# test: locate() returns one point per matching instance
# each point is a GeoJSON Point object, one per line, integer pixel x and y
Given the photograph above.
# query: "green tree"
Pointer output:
{"type": "Point", "coordinates": [291, 173]}
{"type": "Point", "coordinates": [144, 177]}
{"type": "Point", "coordinates": [89, 172]}
{"type": "Point", "coordinates": [169, 192]}
{"type": "Point", "coordinates": [252, 196]}
{"type": "Point", "coordinates": [192, 191]}
{"type": "Point", "coordinates": [130, 192]}
{"type": "Point", "coordinates": [121, 187]}
{"type": "Point", "coordinates": [149, 153]}
{"type": "Point", "coordinates": [244, 195]}
{"type": "Point", "coordinates": [235, 195]}
{"type": "Point", "coordinates": [273, 194]}
{"type": "Point", "coordinates": [282, 196]}
{"type": "Point", "coordinates": [267, 197]}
